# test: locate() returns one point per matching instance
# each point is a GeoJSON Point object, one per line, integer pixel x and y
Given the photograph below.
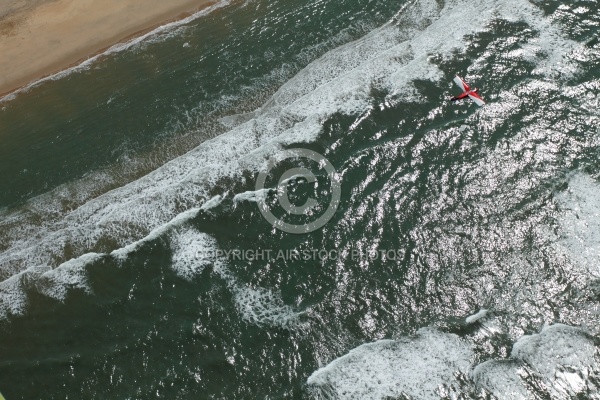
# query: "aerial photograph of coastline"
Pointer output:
{"type": "Point", "coordinates": [283, 199]}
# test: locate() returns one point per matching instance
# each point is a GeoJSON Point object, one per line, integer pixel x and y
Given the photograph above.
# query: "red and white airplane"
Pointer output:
{"type": "Point", "coordinates": [467, 92]}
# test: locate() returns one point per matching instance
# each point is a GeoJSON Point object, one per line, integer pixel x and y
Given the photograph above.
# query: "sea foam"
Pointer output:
{"type": "Point", "coordinates": [416, 366]}
{"type": "Point", "coordinates": [560, 358]}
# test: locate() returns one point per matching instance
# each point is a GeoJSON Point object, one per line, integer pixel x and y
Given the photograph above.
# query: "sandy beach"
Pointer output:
{"type": "Point", "coordinates": [41, 37]}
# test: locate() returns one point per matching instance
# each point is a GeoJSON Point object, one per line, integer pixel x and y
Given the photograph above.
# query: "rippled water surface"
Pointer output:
{"type": "Point", "coordinates": [121, 181]}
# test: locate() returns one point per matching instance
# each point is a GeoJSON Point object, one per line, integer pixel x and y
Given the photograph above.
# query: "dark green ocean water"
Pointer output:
{"type": "Point", "coordinates": [128, 185]}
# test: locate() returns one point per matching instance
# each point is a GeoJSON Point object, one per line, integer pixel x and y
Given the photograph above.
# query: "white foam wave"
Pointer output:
{"type": "Point", "coordinates": [560, 358]}
{"type": "Point", "coordinates": [193, 251]}
{"type": "Point", "coordinates": [417, 366]}
{"type": "Point", "coordinates": [257, 305]}
{"type": "Point", "coordinates": [54, 283]}
{"type": "Point", "coordinates": [13, 299]}
{"type": "Point", "coordinates": [476, 317]}
{"type": "Point", "coordinates": [122, 253]}
{"type": "Point", "coordinates": [557, 345]}
{"type": "Point", "coordinates": [212, 203]}
{"type": "Point", "coordinates": [71, 275]}
{"type": "Point", "coordinates": [502, 378]}
{"type": "Point", "coordinates": [252, 195]}
{"type": "Point", "coordinates": [262, 306]}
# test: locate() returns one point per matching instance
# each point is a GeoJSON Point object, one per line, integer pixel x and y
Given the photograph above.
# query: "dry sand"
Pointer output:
{"type": "Point", "coordinates": [41, 37]}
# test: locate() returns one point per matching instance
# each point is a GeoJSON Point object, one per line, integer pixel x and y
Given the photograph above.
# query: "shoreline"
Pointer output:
{"type": "Point", "coordinates": [28, 61]}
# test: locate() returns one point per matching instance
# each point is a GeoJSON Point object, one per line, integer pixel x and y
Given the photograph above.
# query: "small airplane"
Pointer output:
{"type": "Point", "coordinates": [473, 94]}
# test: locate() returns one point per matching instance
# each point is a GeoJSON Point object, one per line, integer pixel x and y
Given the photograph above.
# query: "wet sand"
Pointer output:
{"type": "Point", "coordinates": [42, 37]}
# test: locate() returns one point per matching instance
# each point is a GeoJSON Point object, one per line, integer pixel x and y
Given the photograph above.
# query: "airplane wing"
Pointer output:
{"type": "Point", "coordinates": [461, 84]}
{"type": "Point", "coordinates": [478, 100]}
